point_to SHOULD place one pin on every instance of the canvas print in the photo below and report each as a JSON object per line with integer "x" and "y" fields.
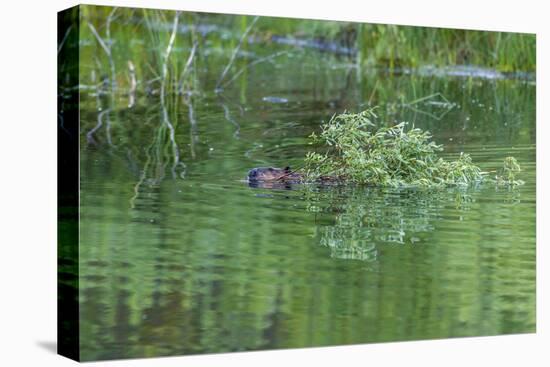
{"x": 237, "y": 183}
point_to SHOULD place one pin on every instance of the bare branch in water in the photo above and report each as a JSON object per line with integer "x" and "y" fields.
{"x": 102, "y": 43}
{"x": 152, "y": 70}
{"x": 235, "y": 51}
{"x": 142, "y": 177}
{"x": 108, "y": 131}
{"x": 155, "y": 79}
{"x": 193, "y": 126}
{"x": 231, "y": 120}
{"x": 90, "y": 134}
{"x": 263, "y": 59}
{"x": 107, "y": 48}
{"x": 62, "y": 123}
{"x": 64, "y": 39}
{"x": 166, "y": 120}
{"x": 172, "y": 136}
{"x": 187, "y": 65}
{"x": 167, "y": 55}
{"x": 108, "y": 23}
{"x": 133, "y": 85}
{"x": 446, "y": 104}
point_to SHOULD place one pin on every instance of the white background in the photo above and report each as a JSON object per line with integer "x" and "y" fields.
{"x": 28, "y": 182}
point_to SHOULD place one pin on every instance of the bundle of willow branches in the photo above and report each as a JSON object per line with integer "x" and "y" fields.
{"x": 391, "y": 156}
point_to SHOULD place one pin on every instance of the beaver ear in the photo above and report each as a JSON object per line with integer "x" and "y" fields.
{"x": 287, "y": 169}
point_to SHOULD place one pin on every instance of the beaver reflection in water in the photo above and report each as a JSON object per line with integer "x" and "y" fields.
{"x": 271, "y": 177}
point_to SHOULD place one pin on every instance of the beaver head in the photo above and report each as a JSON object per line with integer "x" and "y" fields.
{"x": 266, "y": 174}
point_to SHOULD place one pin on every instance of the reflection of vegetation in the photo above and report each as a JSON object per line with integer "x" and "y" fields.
{"x": 178, "y": 275}
{"x": 163, "y": 78}
{"x": 510, "y": 169}
{"x": 445, "y": 105}
{"x": 365, "y": 218}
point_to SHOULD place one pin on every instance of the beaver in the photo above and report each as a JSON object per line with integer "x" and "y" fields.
{"x": 272, "y": 177}
{"x": 273, "y": 174}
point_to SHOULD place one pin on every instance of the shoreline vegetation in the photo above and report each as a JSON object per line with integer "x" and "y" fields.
{"x": 128, "y": 64}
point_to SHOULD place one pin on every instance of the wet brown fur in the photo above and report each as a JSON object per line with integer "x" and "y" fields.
{"x": 272, "y": 177}
{"x": 273, "y": 174}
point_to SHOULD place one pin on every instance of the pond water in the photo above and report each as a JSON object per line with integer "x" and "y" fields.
{"x": 189, "y": 259}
